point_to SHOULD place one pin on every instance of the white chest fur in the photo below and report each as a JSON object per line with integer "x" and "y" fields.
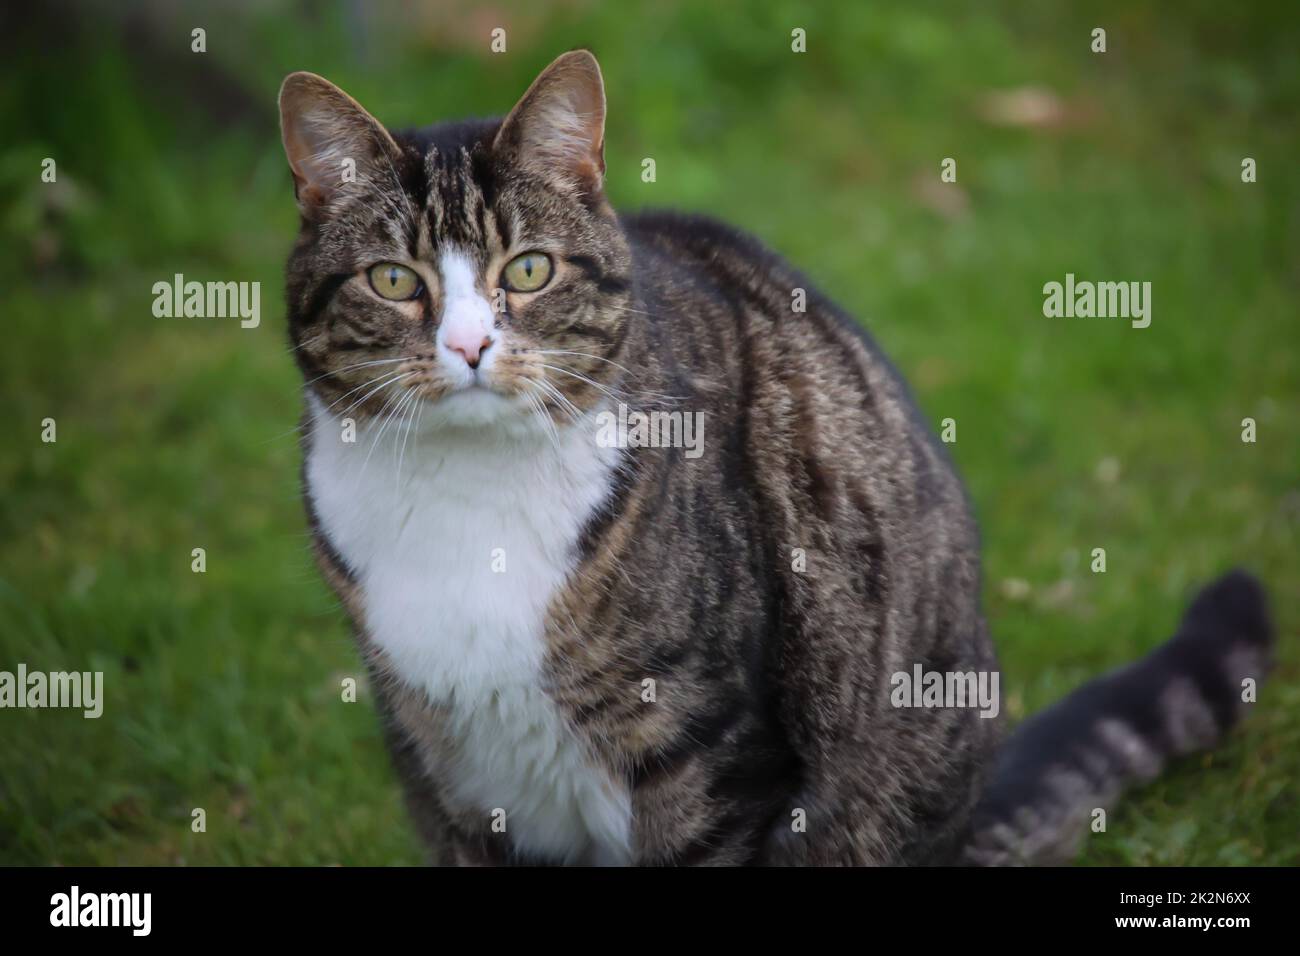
{"x": 457, "y": 558}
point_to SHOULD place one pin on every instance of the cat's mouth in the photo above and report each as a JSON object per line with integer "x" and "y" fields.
{"x": 480, "y": 398}
{"x": 478, "y": 385}
{"x": 477, "y": 405}
{"x": 433, "y": 385}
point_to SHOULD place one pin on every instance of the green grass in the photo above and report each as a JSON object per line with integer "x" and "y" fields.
{"x": 222, "y": 689}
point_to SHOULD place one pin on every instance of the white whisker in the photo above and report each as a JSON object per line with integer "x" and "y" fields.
{"x": 596, "y": 385}
{"x": 361, "y": 401}
{"x": 405, "y": 428}
{"x": 540, "y": 410}
{"x": 566, "y": 405}
{"x": 348, "y": 368}
{"x": 383, "y": 426}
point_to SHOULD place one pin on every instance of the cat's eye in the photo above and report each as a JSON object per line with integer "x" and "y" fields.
{"x": 527, "y": 273}
{"x": 395, "y": 282}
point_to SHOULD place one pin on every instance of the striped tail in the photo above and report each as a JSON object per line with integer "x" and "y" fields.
{"x": 1082, "y": 753}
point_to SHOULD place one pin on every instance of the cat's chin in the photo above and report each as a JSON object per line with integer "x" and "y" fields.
{"x": 481, "y": 409}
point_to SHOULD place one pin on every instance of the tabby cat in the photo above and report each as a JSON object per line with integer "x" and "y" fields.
{"x": 595, "y": 651}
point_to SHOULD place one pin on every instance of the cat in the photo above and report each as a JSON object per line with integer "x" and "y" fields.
{"x": 591, "y": 654}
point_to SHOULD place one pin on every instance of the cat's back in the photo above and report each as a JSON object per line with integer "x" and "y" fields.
{"x": 722, "y": 305}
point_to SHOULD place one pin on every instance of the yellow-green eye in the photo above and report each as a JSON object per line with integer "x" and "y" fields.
{"x": 527, "y": 273}
{"x": 394, "y": 282}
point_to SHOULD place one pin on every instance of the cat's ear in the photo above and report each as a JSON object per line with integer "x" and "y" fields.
{"x": 557, "y": 128}
{"x": 330, "y": 140}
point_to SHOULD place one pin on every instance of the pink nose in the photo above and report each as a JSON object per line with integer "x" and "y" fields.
{"x": 469, "y": 346}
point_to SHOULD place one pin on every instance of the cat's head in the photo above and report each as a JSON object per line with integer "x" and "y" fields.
{"x": 475, "y": 267}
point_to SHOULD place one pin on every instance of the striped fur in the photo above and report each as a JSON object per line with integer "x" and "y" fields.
{"x": 764, "y": 592}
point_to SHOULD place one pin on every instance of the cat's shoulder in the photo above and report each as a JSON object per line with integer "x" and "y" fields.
{"x": 696, "y": 251}
{"x": 693, "y": 234}
{"x": 718, "y": 253}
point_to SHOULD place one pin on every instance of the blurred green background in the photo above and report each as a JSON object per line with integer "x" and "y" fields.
{"x": 222, "y": 689}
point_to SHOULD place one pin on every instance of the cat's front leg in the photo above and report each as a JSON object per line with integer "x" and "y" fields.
{"x": 443, "y": 845}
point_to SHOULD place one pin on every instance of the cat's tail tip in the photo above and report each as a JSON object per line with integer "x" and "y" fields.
{"x": 1233, "y": 609}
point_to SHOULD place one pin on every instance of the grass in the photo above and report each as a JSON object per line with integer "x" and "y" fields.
{"x": 222, "y": 689}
